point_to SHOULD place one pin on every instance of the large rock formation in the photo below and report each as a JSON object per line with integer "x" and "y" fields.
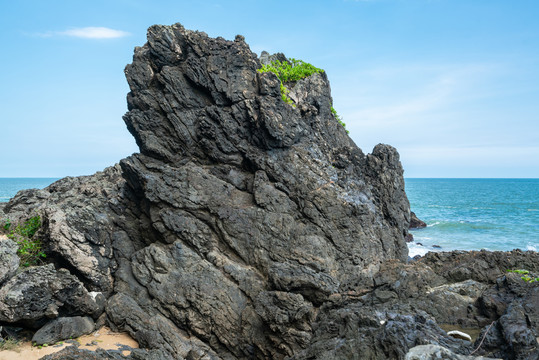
{"x": 245, "y": 227}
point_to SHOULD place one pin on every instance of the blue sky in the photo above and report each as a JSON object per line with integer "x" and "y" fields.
{"x": 452, "y": 84}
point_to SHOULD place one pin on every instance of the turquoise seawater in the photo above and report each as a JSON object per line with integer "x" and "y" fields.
{"x": 462, "y": 214}
{"x": 10, "y": 186}
{"x": 474, "y": 214}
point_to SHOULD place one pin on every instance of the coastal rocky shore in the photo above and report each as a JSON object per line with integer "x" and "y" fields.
{"x": 251, "y": 228}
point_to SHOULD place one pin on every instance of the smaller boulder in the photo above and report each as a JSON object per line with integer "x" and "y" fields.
{"x": 415, "y": 223}
{"x": 42, "y": 292}
{"x": 63, "y": 328}
{"x": 434, "y": 352}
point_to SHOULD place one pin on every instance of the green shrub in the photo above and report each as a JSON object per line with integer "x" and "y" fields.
{"x": 30, "y": 247}
{"x": 289, "y": 72}
{"x": 518, "y": 271}
{"x": 526, "y": 275}
{"x": 339, "y": 119}
{"x": 7, "y": 225}
{"x": 292, "y": 71}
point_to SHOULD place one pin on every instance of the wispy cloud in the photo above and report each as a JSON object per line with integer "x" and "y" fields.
{"x": 88, "y": 33}
{"x": 422, "y": 93}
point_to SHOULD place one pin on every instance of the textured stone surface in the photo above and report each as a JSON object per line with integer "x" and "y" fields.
{"x": 40, "y": 293}
{"x": 9, "y": 261}
{"x": 415, "y": 222}
{"x": 74, "y": 353}
{"x": 435, "y": 352}
{"x": 82, "y": 216}
{"x": 63, "y": 328}
{"x": 247, "y": 228}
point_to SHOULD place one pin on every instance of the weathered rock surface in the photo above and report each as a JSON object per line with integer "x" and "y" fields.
{"x": 435, "y": 352}
{"x": 63, "y": 328}
{"x": 248, "y": 228}
{"x": 9, "y": 261}
{"x": 39, "y": 293}
{"x": 82, "y": 217}
{"x": 74, "y": 353}
{"x": 415, "y": 222}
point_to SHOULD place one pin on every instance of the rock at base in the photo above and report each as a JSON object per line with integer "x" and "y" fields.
{"x": 432, "y": 352}
{"x": 62, "y": 329}
{"x": 74, "y": 353}
{"x": 415, "y": 222}
{"x": 42, "y": 292}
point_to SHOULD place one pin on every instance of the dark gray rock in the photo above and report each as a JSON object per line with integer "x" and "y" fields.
{"x": 483, "y": 266}
{"x": 152, "y": 330}
{"x": 9, "y": 260}
{"x": 74, "y": 353}
{"x": 63, "y": 328}
{"x": 41, "y": 292}
{"x": 415, "y": 222}
{"x": 249, "y": 228}
{"x": 356, "y": 331}
{"x": 513, "y": 331}
{"x": 81, "y": 219}
{"x": 435, "y": 352}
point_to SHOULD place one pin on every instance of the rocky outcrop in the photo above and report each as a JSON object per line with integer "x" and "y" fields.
{"x": 245, "y": 227}
{"x": 40, "y": 293}
{"x": 434, "y": 352}
{"x": 63, "y": 328}
{"x": 415, "y": 222}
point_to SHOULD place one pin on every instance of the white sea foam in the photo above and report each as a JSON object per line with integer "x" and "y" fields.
{"x": 414, "y": 249}
{"x": 434, "y": 223}
{"x": 531, "y": 247}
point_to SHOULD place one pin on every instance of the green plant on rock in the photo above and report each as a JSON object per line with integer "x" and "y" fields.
{"x": 518, "y": 271}
{"x": 7, "y": 225}
{"x": 292, "y": 71}
{"x": 339, "y": 119}
{"x": 30, "y": 247}
{"x": 526, "y": 275}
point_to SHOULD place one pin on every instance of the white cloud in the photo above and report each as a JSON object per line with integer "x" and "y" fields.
{"x": 416, "y": 93}
{"x": 89, "y": 33}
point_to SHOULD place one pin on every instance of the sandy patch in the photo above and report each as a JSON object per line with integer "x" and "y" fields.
{"x": 103, "y": 338}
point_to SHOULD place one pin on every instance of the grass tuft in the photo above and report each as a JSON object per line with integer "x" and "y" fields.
{"x": 30, "y": 247}
{"x": 292, "y": 71}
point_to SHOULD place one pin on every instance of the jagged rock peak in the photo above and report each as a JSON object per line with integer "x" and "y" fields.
{"x": 256, "y": 207}
{"x": 241, "y": 216}
{"x": 200, "y": 100}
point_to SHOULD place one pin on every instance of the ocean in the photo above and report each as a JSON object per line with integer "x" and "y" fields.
{"x": 461, "y": 214}
{"x": 474, "y": 214}
{"x": 10, "y": 186}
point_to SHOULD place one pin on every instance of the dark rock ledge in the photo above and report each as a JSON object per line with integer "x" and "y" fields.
{"x": 250, "y": 229}
{"x": 415, "y": 222}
